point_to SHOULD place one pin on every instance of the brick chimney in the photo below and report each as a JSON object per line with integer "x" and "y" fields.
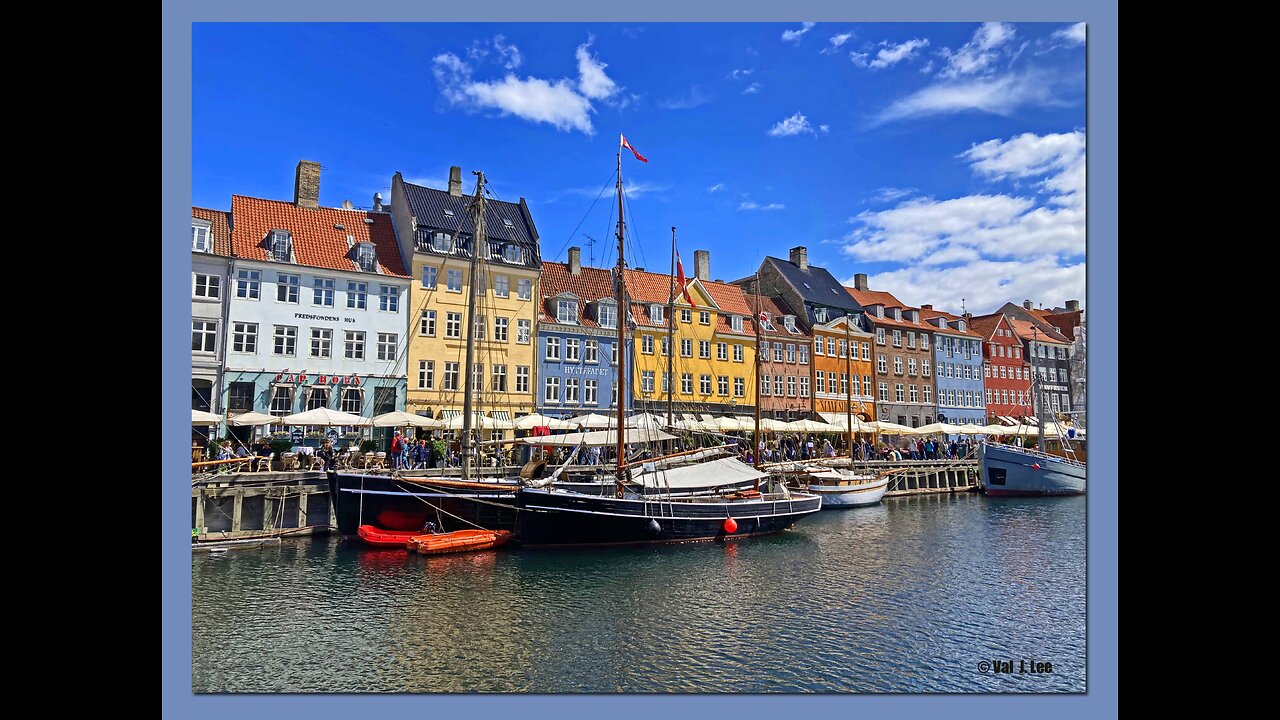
{"x": 306, "y": 185}
{"x": 1073, "y": 305}
{"x": 702, "y": 264}
{"x": 926, "y": 307}
{"x": 1027, "y": 304}
{"x": 800, "y": 257}
{"x": 575, "y": 261}
{"x": 860, "y": 282}
{"x": 377, "y": 202}
{"x": 455, "y": 181}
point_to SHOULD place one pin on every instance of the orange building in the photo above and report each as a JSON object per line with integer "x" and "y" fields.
{"x": 842, "y": 371}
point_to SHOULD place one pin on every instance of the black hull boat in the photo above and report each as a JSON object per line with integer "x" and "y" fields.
{"x": 408, "y": 503}
{"x": 556, "y": 518}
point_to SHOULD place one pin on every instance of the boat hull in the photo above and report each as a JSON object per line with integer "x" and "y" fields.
{"x": 409, "y": 503}
{"x": 379, "y": 537}
{"x": 1011, "y": 472}
{"x": 850, "y": 496}
{"x": 458, "y": 541}
{"x": 552, "y": 518}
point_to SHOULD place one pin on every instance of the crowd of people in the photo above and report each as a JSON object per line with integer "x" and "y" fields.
{"x": 797, "y": 447}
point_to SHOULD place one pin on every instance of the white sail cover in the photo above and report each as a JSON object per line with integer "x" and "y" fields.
{"x": 603, "y": 438}
{"x": 710, "y": 474}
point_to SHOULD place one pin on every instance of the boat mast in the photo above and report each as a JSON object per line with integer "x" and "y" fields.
{"x": 757, "y": 439}
{"x": 671, "y": 330}
{"x": 623, "y": 309}
{"x": 848, "y": 396}
{"x": 1038, "y": 389}
{"x": 468, "y": 443}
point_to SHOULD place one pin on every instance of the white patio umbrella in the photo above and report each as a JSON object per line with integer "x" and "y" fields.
{"x": 883, "y": 426}
{"x": 478, "y": 422}
{"x": 404, "y": 419}
{"x": 253, "y": 418}
{"x": 592, "y": 421}
{"x": 200, "y": 417}
{"x": 646, "y": 420}
{"x": 528, "y": 422}
{"x": 324, "y": 416}
{"x": 771, "y": 425}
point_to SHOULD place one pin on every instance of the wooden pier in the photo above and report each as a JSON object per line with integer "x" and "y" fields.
{"x": 246, "y": 506}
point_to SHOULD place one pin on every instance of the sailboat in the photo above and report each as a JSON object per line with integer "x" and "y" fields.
{"x": 554, "y": 517}
{"x": 1010, "y": 470}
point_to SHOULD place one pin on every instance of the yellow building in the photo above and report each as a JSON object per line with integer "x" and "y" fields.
{"x": 713, "y": 343}
{"x": 435, "y": 230}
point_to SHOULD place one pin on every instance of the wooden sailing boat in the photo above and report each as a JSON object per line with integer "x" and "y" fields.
{"x": 555, "y": 517}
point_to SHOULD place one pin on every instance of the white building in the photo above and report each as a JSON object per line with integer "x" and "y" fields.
{"x": 210, "y": 251}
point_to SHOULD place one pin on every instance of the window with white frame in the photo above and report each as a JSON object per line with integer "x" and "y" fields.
{"x": 704, "y": 317}
{"x": 844, "y": 348}
{"x": 590, "y": 392}
{"x": 866, "y": 385}
{"x": 804, "y": 386}
{"x": 522, "y": 378}
{"x": 844, "y": 384}
{"x": 426, "y": 374}
{"x": 739, "y": 387}
{"x": 285, "y": 340}
{"x": 866, "y": 351}
{"x": 524, "y": 288}
{"x": 686, "y": 315}
{"x": 665, "y": 346}
{"x": 287, "y": 288}
{"x": 477, "y": 377}
{"x": 817, "y": 346}
{"x": 686, "y": 383}
{"x": 791, "y": 386}
{"x": 646, "y": 381}
{"x": 353, "y": 345}
{"x": 322, "y": 292}
{"x": 882, "y": 364}
{"x": 206, "y": 286}
{"x": 988, "y": 396}
{"x": 791, "y": 352}
{"x": 911, "y": 366}
{"x": 820, "y": 383}
{"x": 244, "y": 337}
{"x": 899, "y": 392}
{"x": 646, "y": 344}
{"x": 722, "y": 385}
{"x": 201, "y": 239}
{"x": 884, "y": 392}
{"x": 737, "y": 353}
{"x": 552, "y": 348}
{"x": 453, "y": 280}
{"x": 986, "y": 370}
{"x": 282, "y": 400}
{"x": 704, "y": 384}
{"x": 928, "y": 393}
{"x": 607, "y": 315}
{"x": 321, "y": 342}
{"x": 722, "y": 351}
{"x": 735, "y": 322}
{"x": 482, "y": 283}
{"x": 441, "y": 241}
{"x": 777, "y": 385}
{"x": 686, "y": 347}
{"x": 765, "y": 387}
{"x": 429, "y": 273}
{"x": 500, "y": 329}
{"x": 478, "y": 327}
{"x": 571, "y": 349}
{"x": 248, "y": 284}
{"x": 613, "y": 354}
{"x": 897, "y": 364}
{"x": 366, "y": 257}
{"x": 571, "y": 390}
{"x": 357, "y": 295}
{"x": 820, "y": 314}
{"x": 914, "y": 394}
{"x": 897, "y": 338}
{"x": 777, "y": 352}
{"x": 387, "y": 343}
{"x": 453, "y": 325}
{"x": 831, "y": 347}
{"x": 804, "y": 354}
{"x": 591, "y": 351}
{"x": 499, "y": 379}
{"x": 666, "y": 381}
{"x": 450, "y": 376}
{"x": 427, "y": 324}
{"x": 911, "y": 339}
{"x": 879, "y": 336}
{"x": 924, "y": 368}
{"x": 551, "y": 390}
{"x": 567, "y": 311}
{"x": 501, "y": 286}
{"x": 655, "y": 313}
{"x": 389, "y": 298}
{"x": 704, "y": 349}
{"x": 924, "y": 341}
{"x": 523, "y": 331}
{"x": 204, "y": 336}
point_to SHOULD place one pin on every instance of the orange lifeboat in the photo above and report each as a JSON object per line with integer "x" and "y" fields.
{"x": 458, "y": 541}
{"x": 378, "y": 537}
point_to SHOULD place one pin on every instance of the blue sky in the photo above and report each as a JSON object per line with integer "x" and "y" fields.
{"x": 944, "y": 160}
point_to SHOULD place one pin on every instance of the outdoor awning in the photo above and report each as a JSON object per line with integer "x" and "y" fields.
{"x": 603, "y": 438}
{"x": 200, "y": 417}
{"x": 449, "y": 414}
{"x": 504, "y": 415}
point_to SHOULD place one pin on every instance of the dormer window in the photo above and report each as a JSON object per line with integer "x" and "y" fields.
{"x": 508, "y": 223}
{"x": 961, "y": 325}
{"x": 441, "y": 242}
{"x": 281, "y": 246}
{"x": 567, "y": 311}
{"x": 765, "y": 321}
{"x": 448, "y": 212}
{"x": 897, "y": 313}
{"x": 607, "y": 315}
{"x": 655, "y": 314}
{"x": 789, "y": 321}
{"x": 511, "y": 252}
{"x": 201, "y": 239}
{"x": 735, "y": 321}
{"x": 820, "y": 314}
{"x": 367, "y": 257}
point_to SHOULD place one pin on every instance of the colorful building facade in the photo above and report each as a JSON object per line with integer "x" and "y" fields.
{"x": 210, "y": 263}
{"x": 842, "y": 370}
{"x": 436, "y": 234}
{"x": 786, "y": 370}
{"x": 1006, "y": 374}
{"x": 903, "y": 356}
{"x": 957, "y": 369}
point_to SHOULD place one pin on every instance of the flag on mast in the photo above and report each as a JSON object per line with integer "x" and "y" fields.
{"x": 627, "y": 145}
{"x": 684, "y": 284}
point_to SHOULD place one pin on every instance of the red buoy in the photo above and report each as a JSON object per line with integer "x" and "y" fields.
{"x": 1036, "y": 466}
{"x": 730, "y": 525}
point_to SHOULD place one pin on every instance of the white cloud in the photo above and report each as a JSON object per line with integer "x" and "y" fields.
{"x": 824, "y": 128}
{"x": 592, "y": 81}
{"x": 716, "y": 188}
{"x": 739, "y": 74}
{"x": 564, "y": 103}
{"x": 793, "y": 35}
{"x": 633, "y": 189}
{"x": 795, "y": 125}
{"x": 751, "y": 89}
{"x": 749, "y": 205}
{"x": 889, "y": 194}
{"x": 997, "y": 95}
{"x": 980, "y": 53}
{"x": 987, "y": 247}
{"x": 691, "y": 99}
{"x": 890, "y": 54}
{"x": 1071, "y": 34}
{"x": 836, "y": 41}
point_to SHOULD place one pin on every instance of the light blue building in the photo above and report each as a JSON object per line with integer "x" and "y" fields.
{"x": 957, "y": 370}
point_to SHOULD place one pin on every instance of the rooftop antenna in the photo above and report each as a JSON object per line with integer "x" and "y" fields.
{"x": 962, "y": 309}
{"x": 591, "y": 256}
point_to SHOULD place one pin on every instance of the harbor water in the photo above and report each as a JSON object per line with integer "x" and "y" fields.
{"x": 919, "y": 594}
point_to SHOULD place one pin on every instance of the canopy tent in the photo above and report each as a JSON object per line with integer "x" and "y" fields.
{"x": 404, "y": 419}
{"x": 529, "y": 422}
{"x": 603, "y": 438}
{"x": 200, "y": 417}
{"x": 253, "y": 418}
{"x": 324, "y": 416}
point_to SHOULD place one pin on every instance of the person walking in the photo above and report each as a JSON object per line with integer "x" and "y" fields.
{"x": 327, "y": 456}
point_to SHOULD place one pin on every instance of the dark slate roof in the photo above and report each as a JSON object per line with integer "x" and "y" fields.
{"x": 823, "y": 289}
{"x": 428, "y": 206}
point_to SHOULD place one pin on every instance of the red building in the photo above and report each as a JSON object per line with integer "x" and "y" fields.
{"x": 1006, "y": 373}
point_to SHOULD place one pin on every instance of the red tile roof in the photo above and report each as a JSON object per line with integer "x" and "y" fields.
{"x": 986, "y": 325}
{"x": 316, "y": 242}
{"x": 927, "y": 314}
{"x": 1030, "y": 331}
{"x": 880, "y": 297}
{"x": 220, "y": 228}
{"x": 646, "y": 288}
{"x": 777, "y": 308}
{"x": 1065, "y": 322}
{"x": 591, "y": 284}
